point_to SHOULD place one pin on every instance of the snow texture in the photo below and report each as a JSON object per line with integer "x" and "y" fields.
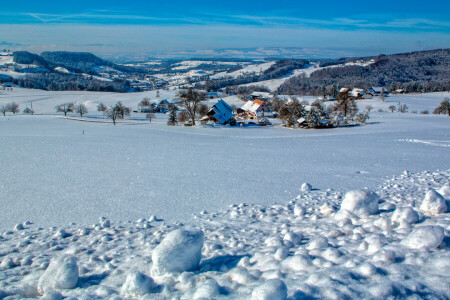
{"x": 396, "y": 253}
{"x": 179, "y": 251}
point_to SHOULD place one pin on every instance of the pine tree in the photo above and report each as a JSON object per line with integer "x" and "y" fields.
{"x": 172, "y": 116}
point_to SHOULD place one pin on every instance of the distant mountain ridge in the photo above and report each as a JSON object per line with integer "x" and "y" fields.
{"x": 77, "y": 62}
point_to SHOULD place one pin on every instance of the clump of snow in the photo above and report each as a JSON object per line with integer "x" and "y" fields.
{"x": 445, "y": 191}
{"x": 18, "y": 227}
{"x": 360, "y": 202}
{"x": 273, "y": 289}
{"x": 208, "y": 289}
{"x": 137, "y": 285}
{"x": 52, "y": 295}
{"x": 62, "y": 273}
{"x": 430, "y": 236}
{"x": 405, "y": 216}
{"x": 180, "y": 251}
{"x": 299, "y": 211}
{"x": 433, "y": 203}
{"x": 306, "y": 187}
{"x": 7, "y": 263}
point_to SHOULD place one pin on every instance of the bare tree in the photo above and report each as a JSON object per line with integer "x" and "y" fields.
{"x": 145, "y": 102}
{"x": 183, "y": 116}
{"x": 150, "y": 116}
{"x": 122, "y": 110}
{"x": 102, "y": 107}
{"x": 191, "y": 101}
{"x": 112, "y": 113}
{"x": 13, "y": 107}
{"x": 392, "y": 108}
{"x": 203, "y": 109}
{"x": 4, "y": 109}
{"x": 81, "y": 109}
{"x": 65, "y": 107}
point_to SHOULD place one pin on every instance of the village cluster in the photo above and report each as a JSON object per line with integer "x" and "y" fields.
{"x": 262, "y": 108}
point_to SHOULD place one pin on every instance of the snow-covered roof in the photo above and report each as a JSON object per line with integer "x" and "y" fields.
{"x": 222, "y": 111}
{"x": 252, "y": 106}
{"x": 260, "y": 94}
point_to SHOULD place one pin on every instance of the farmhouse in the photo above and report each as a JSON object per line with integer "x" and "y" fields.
{"x": 260, "y": 95}
{"x": 251, "y": 109}
{"x": 378, "y": 91}
{"x": 221, "y": 113}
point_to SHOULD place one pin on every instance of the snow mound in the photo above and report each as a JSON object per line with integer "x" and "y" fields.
{"x": 430, "y": 237}
{"x": 62, "y": 273}
{"x": 273, "y": 289}
{"x": 433, "y": 203}
{"x": 180, "y": 251}
{"x": 137, "y": 285}
{"x": 360, "y": 202}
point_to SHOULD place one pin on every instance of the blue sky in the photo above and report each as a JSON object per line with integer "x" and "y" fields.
{"x": 353, "y": 27}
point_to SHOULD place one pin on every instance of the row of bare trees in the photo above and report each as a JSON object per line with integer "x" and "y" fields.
{"x": 9, "y": 107}
{"x": 67, "y": 107}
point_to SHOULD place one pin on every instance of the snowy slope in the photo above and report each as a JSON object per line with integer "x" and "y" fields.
{"x": 253, "y": 68}
{"x": 51, "y": 163}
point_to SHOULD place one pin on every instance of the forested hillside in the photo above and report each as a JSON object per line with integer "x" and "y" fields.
{"x": 426, "y": 71}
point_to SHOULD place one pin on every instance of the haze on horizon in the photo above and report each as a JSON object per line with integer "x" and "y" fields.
{"x": 198, "y": 28}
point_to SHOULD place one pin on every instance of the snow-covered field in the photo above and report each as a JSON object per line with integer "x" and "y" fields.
{"x": 56, "y": 171}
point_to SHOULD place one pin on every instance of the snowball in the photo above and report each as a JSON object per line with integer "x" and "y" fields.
{"x": 430, "y": 236}
{"x": 273, "y": 289}
{"x": 361, "y": 203}
{"x": 292, "y": 237}
{"x": 299, "y": 211}
{"x": 433, "y": 203}
{"x": 241, "y": 275}
{"x": 7, "y": 263}
{"x": 297, "y": 263}
{"x": 326, "y": 210}
{"x": 136, "y": 285}
{"x": 281, "y": 253}
{"x": 179, "y": 251}
{"x": 52, "y": 295}
{"x": 62, "y": 273}
{"x": 405, "y": 215}
{"x": 306, "y": 187}
{"x": 445, "y": 191}
{"x": 207, "y": 290}
{"x": 273, "y": 241}
{"x": 318, "y": 243}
